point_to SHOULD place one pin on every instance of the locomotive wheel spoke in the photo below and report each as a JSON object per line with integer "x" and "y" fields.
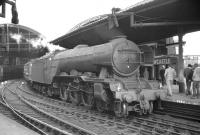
{"x": 49, "y": 92}
{"x": 150, "y": 107}
{"x": 63, "y": 93}
{"x": 74, "y": 97}
{"x": 87, "y": 96}
{"x": 99, "y": 106}
{"x": 74, "y": 93}
{"x": 125, "y": 109}
{"x": 122, "y": 110}
{"x": 87, "y": 100}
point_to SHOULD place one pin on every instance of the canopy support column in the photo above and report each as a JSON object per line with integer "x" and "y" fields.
{"x": 180, "y": 63}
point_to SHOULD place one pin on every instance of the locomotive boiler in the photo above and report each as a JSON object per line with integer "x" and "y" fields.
{"x": 103, "y": 76}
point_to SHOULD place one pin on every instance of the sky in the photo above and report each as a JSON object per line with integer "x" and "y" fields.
{"x": 54, "y": 19}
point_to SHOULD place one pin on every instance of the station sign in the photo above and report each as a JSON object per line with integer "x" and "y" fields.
{"x": 162, "y": 61}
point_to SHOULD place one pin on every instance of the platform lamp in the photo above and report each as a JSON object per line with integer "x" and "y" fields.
{"x": 2, "y": 8}
{"x": 3, "y": 3}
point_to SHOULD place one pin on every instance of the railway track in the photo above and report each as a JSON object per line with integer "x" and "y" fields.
{"x": 13, "y": 114}
{"x": 95, "y": 120}
{"x": 186, "y": 111}
{"x": 44, "y": 122}
{"x": 80, "y": 116}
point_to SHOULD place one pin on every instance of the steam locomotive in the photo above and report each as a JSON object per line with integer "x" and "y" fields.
{"x": 103, "y": 76}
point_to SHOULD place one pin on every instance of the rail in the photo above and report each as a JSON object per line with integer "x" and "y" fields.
{"x": 42, "y": 126}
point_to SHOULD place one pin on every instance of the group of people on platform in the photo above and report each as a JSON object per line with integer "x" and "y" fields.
{"x": 191, "y": 79}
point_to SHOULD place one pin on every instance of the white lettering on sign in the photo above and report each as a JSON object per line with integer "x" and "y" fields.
{"x": 161, "y": 61}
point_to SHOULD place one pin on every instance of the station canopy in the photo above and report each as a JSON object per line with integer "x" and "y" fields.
{"x": 147, "y": 21}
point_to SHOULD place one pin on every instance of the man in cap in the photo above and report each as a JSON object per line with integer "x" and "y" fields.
{"x": 188, "y": 72}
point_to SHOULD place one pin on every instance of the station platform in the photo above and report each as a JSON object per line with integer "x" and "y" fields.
{"x": 151, "y": 94}
{"x": 180, "y": 97}
{"x": 11, "y": 127}
{"x": 176, "y": 96}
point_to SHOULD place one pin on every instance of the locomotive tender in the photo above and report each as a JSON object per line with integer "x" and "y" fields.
{"x": 103, "y": 76}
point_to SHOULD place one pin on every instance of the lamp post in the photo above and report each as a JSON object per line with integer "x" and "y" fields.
{"x": 3, "y": 3}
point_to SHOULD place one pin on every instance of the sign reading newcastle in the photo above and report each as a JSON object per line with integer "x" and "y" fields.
{"x": 162, "y": 61}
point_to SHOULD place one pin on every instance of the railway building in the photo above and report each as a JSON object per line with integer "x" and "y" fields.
{"x": 18, "y": 44}
{"x": 157, "y": 54}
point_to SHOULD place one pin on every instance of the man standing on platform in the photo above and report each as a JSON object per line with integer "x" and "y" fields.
{"x": 196, "y": 81}
{"x": 170, "y": 74}
{"x": 162, "y": 76}
{"x": 188, "y": 76}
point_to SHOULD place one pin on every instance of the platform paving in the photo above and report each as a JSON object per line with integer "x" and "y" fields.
{"x": 179, "y": 97}
{"x": 11, "y": 127}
